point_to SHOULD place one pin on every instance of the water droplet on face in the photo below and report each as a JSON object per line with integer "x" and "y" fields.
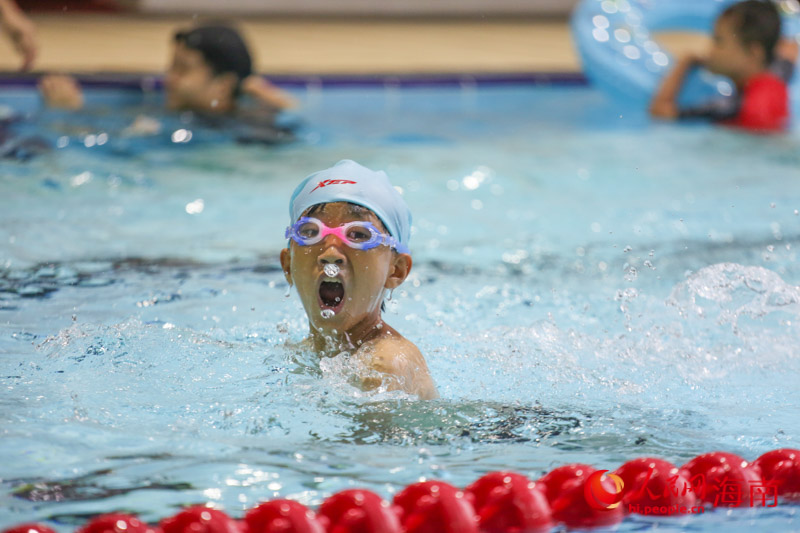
{"x": 378, "y": 325}
{"x": 327, "y": 313}
{"x": 331, "y": 270}
{"x": 337, "y": 299}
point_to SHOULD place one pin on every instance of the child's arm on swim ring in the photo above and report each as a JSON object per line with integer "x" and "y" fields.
{"x": 665, "y": 103}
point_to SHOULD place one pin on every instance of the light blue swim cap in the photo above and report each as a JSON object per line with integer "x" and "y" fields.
{"x": 347, "y": 181}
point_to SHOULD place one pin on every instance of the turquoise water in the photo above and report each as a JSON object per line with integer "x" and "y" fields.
{"x": 587, "y": 287}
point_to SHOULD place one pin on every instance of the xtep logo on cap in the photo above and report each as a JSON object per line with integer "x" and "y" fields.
{"x": 597, "y": 496}
{"x": 325, "y": 183}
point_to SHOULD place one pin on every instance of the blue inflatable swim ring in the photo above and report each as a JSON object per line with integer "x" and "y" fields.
{"x": 619, "y": 55}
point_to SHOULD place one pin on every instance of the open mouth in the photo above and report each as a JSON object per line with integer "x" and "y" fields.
{"x": 331, "y": 295}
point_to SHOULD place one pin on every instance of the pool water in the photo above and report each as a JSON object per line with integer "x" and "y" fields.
{"x": 587, "y": 287}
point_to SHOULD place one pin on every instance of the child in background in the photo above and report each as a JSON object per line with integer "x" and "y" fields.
{"x": 348, "y": 246}
{"x": 211, "y": 67}
{"x": 746, "y": 48}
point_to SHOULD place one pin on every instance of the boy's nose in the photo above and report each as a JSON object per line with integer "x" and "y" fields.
{"x": 331, "y": 254}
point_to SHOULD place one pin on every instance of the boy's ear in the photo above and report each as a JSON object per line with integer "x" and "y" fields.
{"x": 758, "y": 53}
{"x": 399, "y": 270}
{"x": 286, "y": 264}
{"x": 226, "y": 83}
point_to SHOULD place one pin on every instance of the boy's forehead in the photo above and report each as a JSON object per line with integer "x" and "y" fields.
{"x": 344, "y": 210}
{"x": 187, "y": 55}
{"x": 724, "y": 29}
{"x": 339, "y": 208}
{"x": 724, "y": 22}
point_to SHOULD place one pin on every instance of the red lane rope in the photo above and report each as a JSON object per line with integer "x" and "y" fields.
{"x": 573, "y": 495}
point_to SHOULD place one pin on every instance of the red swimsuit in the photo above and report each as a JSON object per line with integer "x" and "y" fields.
{"x": 764, "y": 105}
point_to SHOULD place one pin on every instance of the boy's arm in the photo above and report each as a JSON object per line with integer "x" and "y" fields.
{"x": 665, "y": 103}
{"x": 404, "y": 362}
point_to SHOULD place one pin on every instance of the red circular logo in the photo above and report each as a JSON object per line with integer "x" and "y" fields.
{"x": 598, "y": 496}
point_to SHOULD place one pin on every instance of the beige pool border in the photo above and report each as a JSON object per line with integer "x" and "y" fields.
{"x": 132, "y": 44}
{"x": 117, "y": 43}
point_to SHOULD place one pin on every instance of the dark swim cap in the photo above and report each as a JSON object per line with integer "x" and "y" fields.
{"x": 222, "y": 48}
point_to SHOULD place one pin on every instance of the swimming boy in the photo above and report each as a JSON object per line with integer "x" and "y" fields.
{"x": 211, "y": 66}
{"x": 348, "y": 245}
{"x": 747, "y": 49}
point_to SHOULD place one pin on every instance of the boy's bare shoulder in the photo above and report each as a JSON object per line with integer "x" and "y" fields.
{"x": 394, "y": 354}
{"x": 391, "y": 353}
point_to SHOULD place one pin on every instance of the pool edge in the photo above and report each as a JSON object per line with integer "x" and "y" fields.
{"x": 142, "y": 81}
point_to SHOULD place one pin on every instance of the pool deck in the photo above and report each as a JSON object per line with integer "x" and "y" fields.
{"x": 125, "y": 43}
{"x": 129, "y": 44}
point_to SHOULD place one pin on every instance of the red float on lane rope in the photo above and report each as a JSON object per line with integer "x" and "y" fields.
{"x": 282, "y": 516}
{"x": 653, "y": 485}
{"x": 435, "y": 507}
{"x": 116, "y": 523}
{"x": 569, "y": 489}
{"x": 722, "y": 479}
{"x": 508, "y": 502}
{"x": 201, "y": 519}
{"x": 358, "y": 511}
{"x": 782, "y": 469}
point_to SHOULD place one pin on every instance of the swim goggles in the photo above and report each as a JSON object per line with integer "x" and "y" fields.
{"x": 359, "y": 234}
